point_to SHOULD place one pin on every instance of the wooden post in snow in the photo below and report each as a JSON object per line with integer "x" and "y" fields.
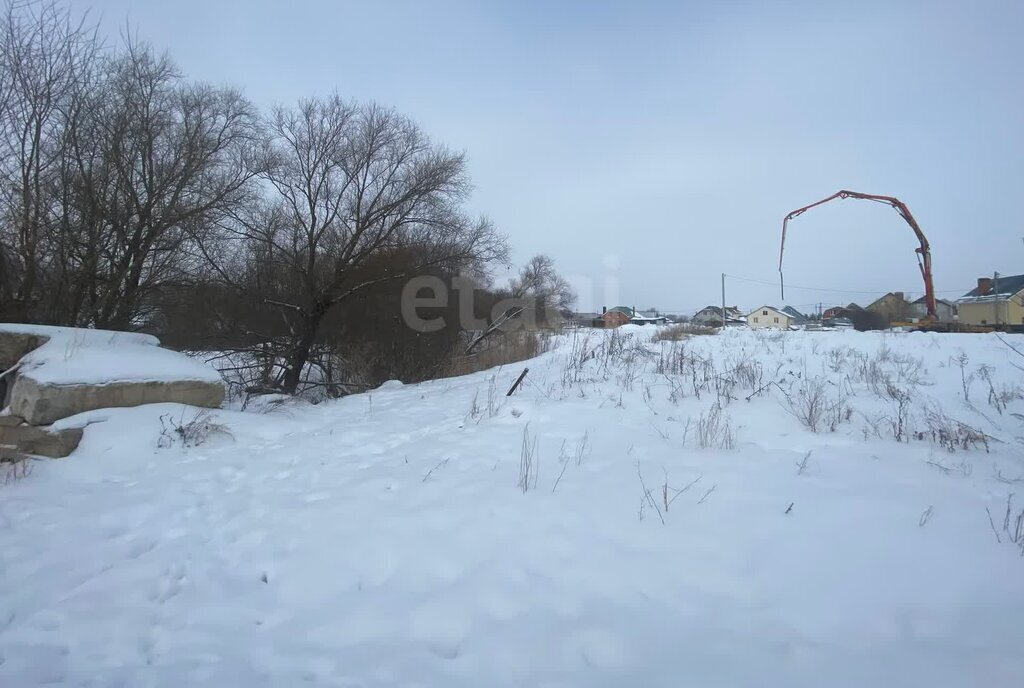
{"x": 515, "y": 385}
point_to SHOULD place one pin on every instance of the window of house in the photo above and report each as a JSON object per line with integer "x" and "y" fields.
{"x": 764, "y": 312}
{"x": 984, "y": 322}
{"x": 755, "y": 318}
{"x": 776, "y": 320}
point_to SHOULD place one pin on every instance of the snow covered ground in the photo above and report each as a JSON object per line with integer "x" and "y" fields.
{"x": 386, "y": 539}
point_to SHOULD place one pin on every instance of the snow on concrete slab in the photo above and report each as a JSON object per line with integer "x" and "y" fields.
{"x": 384, "y": 539}
{"x": 73, "y": 356}
{"x": 82, "y": 335}
{"x": 67, "y": 363}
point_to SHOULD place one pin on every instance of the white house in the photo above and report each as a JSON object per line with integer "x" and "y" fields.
{"x": 945, "y": 310}
{"x": 769, "y": 316}
{"x": 712, "y": 316}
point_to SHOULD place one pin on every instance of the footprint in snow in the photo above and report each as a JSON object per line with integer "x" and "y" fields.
{"x": 139, "y": 547}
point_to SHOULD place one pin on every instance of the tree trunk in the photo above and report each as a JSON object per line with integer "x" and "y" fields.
{"x": 309, "y": 326}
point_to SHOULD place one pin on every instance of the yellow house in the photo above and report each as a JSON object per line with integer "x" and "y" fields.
{"x": 995, "y": 301}
{"x": 768, "y": 316}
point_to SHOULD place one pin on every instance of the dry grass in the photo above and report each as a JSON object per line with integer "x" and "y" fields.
{"x": 714, "y": 430}
{"x": 1013, "y": 525}
{"x": 529, "y": 462}
{"x": 500, "y": 350}
{"x": 13, "y": 471}
{"x": 952, "y": 434}
{"x": 675, "y": 333}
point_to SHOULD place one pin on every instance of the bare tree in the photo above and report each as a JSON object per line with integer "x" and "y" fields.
{"x": 351, "y": 182}
{"x": 43, "y": 53}
{"x": 155, "y": 162}
{"x": 538, "y": 280}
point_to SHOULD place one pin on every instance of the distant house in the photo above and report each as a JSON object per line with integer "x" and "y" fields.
{"x": 617, "y": 316}
{"x": 846, "y": 311}
{"x": 769, "y": 316}
{"x": 712, "y": 316}
{"x": 995, "y": 301}
{"x": 585, "y": 320}
{"x": 944, "y": 310}
{"x": 622, "y": 315}
{"x": 648, "y": 317}
{"x": 892, "y": 306}
{"x": 798, "y": 317}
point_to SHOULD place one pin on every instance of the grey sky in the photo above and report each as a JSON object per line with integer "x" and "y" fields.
{"x": 674, "y": 136}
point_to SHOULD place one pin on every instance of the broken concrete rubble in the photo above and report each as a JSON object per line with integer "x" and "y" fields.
{"x": 41, "y": 403}
{"x": 52, "y": 373}
{"x": 42, "y": 441}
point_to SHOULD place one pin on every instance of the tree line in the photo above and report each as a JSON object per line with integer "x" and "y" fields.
{"x": 135, "y": 198}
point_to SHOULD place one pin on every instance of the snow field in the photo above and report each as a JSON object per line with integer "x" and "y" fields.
{"x": 386, "y": 539}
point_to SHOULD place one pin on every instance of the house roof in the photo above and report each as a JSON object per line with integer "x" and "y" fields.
{"x": 1008, "y": 286}
{"x": 794, "y": 313}
{"x": 943, "y": 301}
{"x": 881, "y": 299}
{"x": 628, "y": 310}
{"x": 777, "y": 310}
{"x": 718, "y": 309}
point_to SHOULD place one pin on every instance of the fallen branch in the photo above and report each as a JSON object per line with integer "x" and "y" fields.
{"x": 282, "y": 304}
{"x": 493, "y": 327}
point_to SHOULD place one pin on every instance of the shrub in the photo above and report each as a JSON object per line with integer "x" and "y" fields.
{"x": 811, "y": 403}
{"x": 192, "y": 433}
{"x": 951, "y": 434}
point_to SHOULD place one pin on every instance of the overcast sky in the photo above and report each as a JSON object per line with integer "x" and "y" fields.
{"x": 650, "y": 146}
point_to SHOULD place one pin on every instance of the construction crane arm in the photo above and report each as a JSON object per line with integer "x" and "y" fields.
{"x": 924, "y": 258}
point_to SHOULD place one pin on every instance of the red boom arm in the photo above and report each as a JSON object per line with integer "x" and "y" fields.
{"x": 924, "y": 257}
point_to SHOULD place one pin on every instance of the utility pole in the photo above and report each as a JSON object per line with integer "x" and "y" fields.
{"x": 995, "y": 295}
{"x": 723, "y": 300}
